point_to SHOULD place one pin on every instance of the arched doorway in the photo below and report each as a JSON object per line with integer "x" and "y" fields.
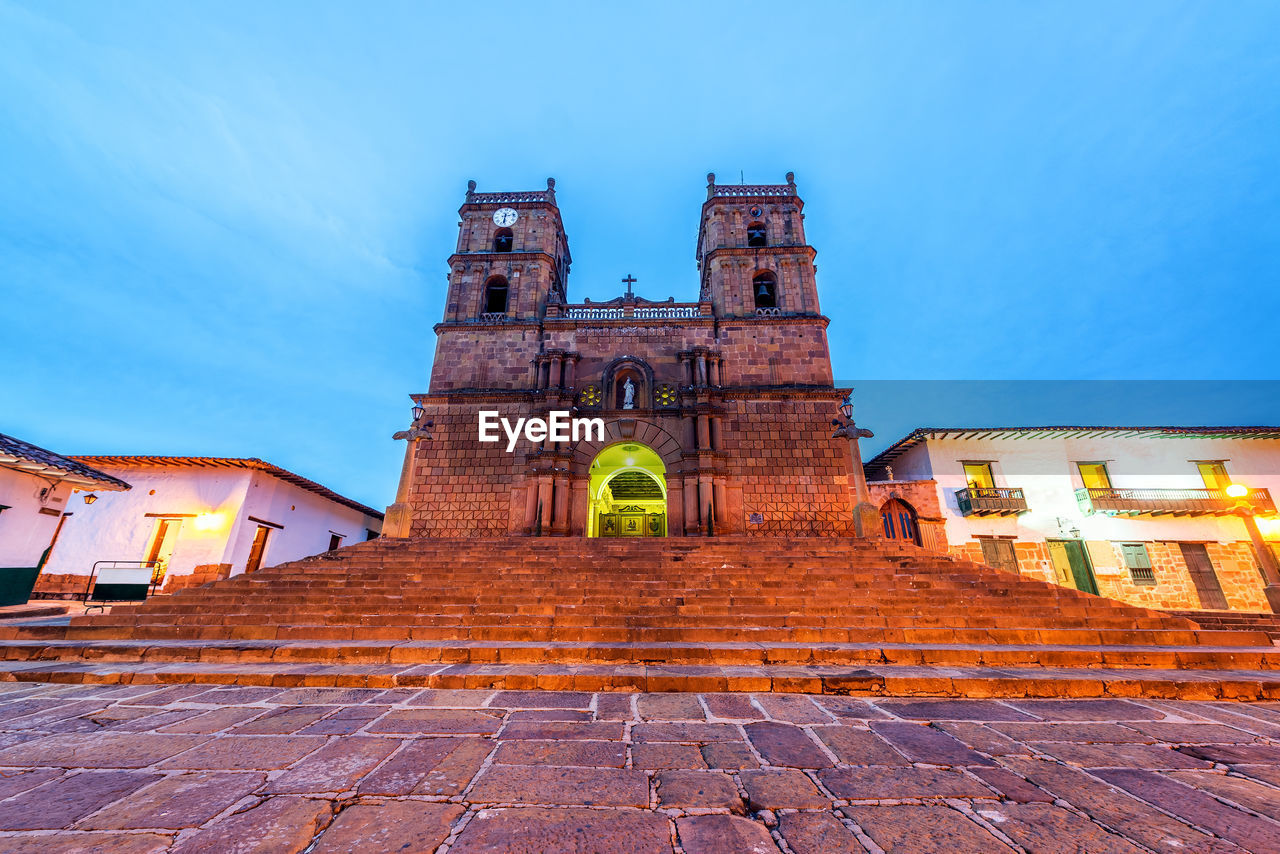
{"x": 899, "y": 521}
{"x": 628, "y": 492}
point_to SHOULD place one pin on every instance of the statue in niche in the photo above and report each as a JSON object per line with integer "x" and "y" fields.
{"x": 628, "y": 394}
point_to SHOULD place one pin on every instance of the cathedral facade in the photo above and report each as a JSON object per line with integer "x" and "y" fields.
{"x": 717, "y": 412}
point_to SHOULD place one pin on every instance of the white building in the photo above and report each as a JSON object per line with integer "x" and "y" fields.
{"x": 201, "y": 518}
{"x": 34, "y": 487}
{"x": 1140, "y": 514}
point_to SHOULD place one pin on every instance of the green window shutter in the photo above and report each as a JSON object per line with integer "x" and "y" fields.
{"x": 1139, "y": 563}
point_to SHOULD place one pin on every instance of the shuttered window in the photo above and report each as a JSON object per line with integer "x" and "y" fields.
{"x": 1139, "y": 564}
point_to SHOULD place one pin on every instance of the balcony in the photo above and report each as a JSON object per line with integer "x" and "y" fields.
{"x": 1171, "y": 502}
{"x": 991, "y": 501}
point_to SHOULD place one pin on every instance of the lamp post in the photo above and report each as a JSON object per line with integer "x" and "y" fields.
{"x": 866, "y": 519}
{"x": 397, "y": 521}
{"x": 1266, "y": 560}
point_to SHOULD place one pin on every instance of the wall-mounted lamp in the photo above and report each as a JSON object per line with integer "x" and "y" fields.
{"x": 90, "y": 498}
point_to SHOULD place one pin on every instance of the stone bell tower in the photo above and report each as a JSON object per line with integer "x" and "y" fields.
{"x": 512, "y": 256}
{"x": 752, "y": 253}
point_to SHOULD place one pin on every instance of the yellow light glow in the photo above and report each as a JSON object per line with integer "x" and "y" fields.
{"x": 630, "y": 461}
{"x": 1236, "y": 490}
{"x": 208, "y": 521}
{"x": 1269, "y": 527}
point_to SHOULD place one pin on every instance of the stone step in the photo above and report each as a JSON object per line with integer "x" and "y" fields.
{"x": 874, "y": 681}
{"x": 725, "y": 653}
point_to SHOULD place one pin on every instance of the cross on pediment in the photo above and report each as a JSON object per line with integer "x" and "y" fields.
{"x": 629, "y": 281}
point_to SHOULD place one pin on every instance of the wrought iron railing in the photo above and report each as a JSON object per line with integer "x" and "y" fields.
{"x": 1176, "y": 502}
{"x": 492, "y": 316}
{"x": 768, "y": 312}
{"x": 991, "y": 501}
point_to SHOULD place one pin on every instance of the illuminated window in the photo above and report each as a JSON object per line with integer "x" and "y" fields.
{"x": 1214, "y": 474}
{"x": 978, "y": 476}
{"x": 1094, "y": 475}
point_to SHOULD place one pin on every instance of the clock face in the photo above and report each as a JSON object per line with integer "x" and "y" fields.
{"x": 505, "y": 217}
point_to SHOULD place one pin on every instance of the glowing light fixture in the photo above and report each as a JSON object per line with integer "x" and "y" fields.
{"x": 846, "y": 408}
{"x": 208, "y": 521}
{"x": 630, "y": 461}
{"x": 417, "y": 412}
{"x": 1236, "y": 490}
{"x": 90, "y": 498}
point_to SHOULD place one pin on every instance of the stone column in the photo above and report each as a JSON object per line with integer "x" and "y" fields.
{"x": 701, "y": 370}
{"x": 675, "y": 507}
{"x": 544, "y": 497}
{"x": 557, "y": 364}
{"x": 715, "y": 371}
{"x": 533, "y": 373}
{"x": 721, "y": 505}
{"x": 397, "y": 522}
{"x": 704, "y": 433}
{"x": 704, "y": 499}
{"x": 560, "y": 500}
{"x": 717, "y": 440}
{"x": 530, "y": 502}
{"x": 571, "y": 371}
{"x": 691, "y": 512}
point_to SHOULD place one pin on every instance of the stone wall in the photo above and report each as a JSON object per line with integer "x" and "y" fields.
{"x": 1233, "y": 564}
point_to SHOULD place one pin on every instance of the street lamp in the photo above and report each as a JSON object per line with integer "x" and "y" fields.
{"x": 866, "y": 519}
{"x": 1266, "y": 560}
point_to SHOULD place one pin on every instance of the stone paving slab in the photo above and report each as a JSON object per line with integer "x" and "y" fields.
{"x": 210, "y": 767}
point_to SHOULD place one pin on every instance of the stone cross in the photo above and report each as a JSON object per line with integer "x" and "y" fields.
{"x": 629, "y": 281}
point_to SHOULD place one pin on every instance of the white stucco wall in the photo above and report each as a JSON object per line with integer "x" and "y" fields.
{"x": 117, "y": 527}
{"x": 25, "y": 531}
{"x": 1045, "y": 469}
{"x": 308, "y": 521}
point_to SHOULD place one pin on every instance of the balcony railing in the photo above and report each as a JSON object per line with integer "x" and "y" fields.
{"x": 1172, "y": 502}
{"x": 632, "y": 312}
{"x": 991, "y": 501}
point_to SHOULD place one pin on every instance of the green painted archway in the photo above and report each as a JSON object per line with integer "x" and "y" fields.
{"x": 628, "y": 491}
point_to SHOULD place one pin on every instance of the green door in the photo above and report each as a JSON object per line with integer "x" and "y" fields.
{"x": 1081, "y": 572}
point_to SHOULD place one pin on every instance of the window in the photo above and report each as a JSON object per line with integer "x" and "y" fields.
{"x": 757, "y": 235}
{"x": 495, "y": 296}
{"x": 978, "y": 476}
{"x": 1094, "y": 475}
{"x": 1214, "y": 474}
{"x": 1139, "y": 564}
{"x": 502, "y": 240}
{"x": 370, "y": 534}
{"x": 765, "y": 288}
{"x": 258, "y": 548}
{"x": 335, "y": 540}
{"x": 998, "y": 552}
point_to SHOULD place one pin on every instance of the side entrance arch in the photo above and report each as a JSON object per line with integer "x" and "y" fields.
{"x": 628, "y": 492}
{"x": 899, "y": 521}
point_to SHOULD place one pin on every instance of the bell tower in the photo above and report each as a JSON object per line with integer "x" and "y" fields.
{"x": 752, "y": 254}
{"x": 512, "y": 257}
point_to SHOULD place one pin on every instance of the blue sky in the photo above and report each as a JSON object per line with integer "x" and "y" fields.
{"x": 223, "y": 226}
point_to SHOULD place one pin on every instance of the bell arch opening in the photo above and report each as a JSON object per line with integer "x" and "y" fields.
{"x": 628, "y": 492}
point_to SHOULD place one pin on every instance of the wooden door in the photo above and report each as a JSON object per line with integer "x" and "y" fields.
{"x": 1203, "y": 576}
{"x": 256, "y": 550}
{"x": 1061, "y": 563}
{"x": 899, "y": 522}
{"x": 1081, "y": 572}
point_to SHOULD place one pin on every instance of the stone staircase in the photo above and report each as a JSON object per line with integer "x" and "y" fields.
{"x": 1235, "y": 621}
{"x": 727, "y": 614}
